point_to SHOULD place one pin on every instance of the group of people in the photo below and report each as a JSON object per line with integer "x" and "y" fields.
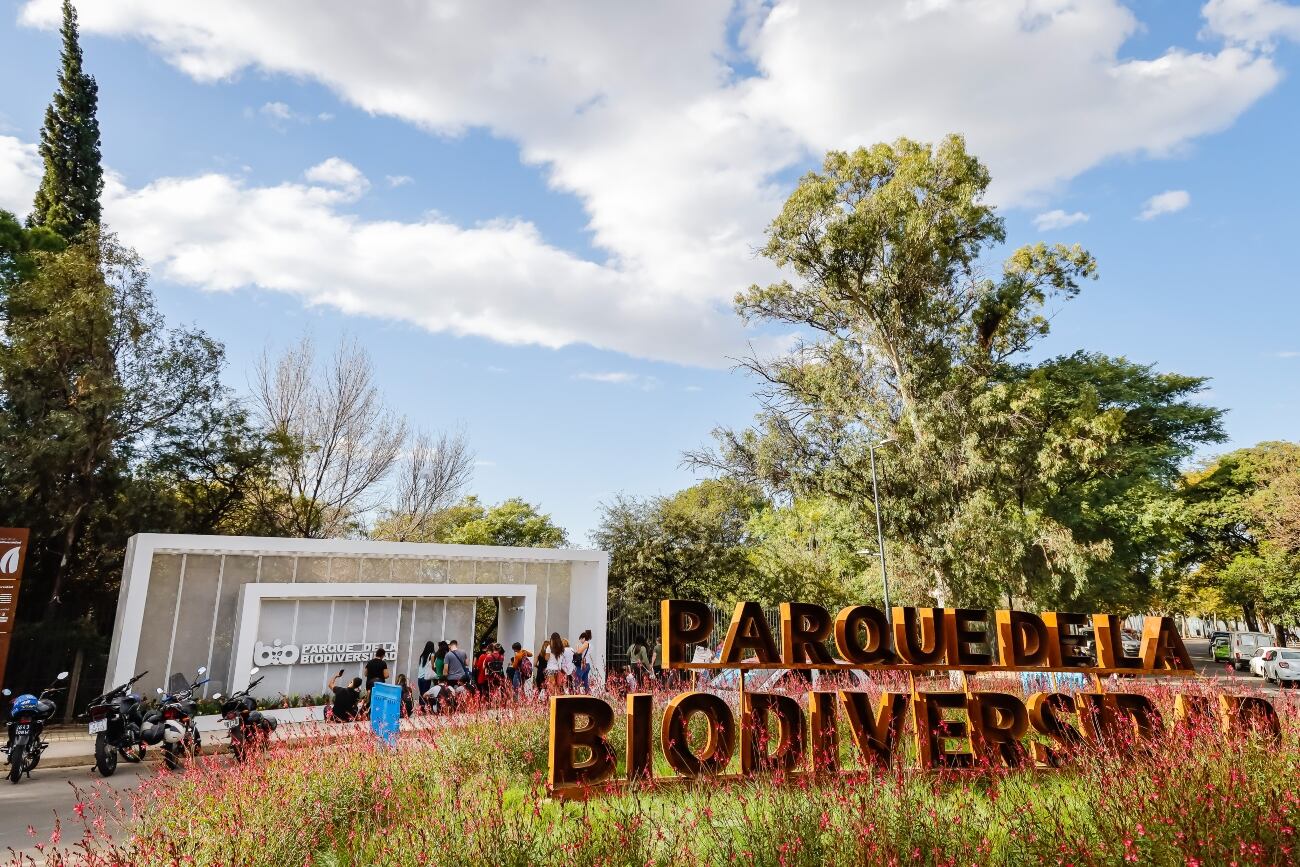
{"x": 447, "y": 676}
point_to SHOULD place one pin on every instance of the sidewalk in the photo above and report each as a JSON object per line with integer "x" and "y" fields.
{"x": 69, "y": 748}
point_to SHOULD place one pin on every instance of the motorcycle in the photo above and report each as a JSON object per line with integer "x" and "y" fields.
{"x": 176, "y": 728}
{"x": 117, "y": 720}
{"x": 27, "y": 717}
{"x": 249, "y": 727}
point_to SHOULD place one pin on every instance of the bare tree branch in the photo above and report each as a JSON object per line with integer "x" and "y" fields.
{"x": 338, "y": 439}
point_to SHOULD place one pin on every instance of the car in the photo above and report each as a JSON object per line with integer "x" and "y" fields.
{"x": 1284, "y": 668}
{"x": 1130, "y": 640}
{"x": 1240, "y": 647}
{"x": 1217, "y": 640}
{"x": 1259, "y": 662}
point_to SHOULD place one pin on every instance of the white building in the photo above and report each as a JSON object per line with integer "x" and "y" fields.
{"x": 301, "y": 609}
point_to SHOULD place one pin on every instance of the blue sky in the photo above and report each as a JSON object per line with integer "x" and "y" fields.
{"x": 533, "y": 216}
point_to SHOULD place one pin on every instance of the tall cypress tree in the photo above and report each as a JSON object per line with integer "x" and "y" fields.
{"x": 68, "y": 198}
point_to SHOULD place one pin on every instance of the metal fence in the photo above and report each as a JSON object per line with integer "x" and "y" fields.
{"x": 619, "y": 634}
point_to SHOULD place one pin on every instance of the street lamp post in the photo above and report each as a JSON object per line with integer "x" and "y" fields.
{"x": 880, "y": 527}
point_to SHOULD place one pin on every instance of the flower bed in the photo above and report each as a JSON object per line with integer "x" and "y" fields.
{"x": 470, "y": 791}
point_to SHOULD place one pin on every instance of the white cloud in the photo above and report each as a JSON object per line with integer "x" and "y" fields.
{"x": 497, "y": 280}
{"x": 398, "y": 180}
{"x": 20, "y": 174}
{"x": 1168, "y": 202}
{"x": 1058, "y": 219}
{"x": 1287, "y": 353}
{"x": 621, "y": 377}
{"x": 340, "y": 173}
{"x": 674, "y": 161}
{"x": 276, "y": 111}
{"x": 1253, "y": 23}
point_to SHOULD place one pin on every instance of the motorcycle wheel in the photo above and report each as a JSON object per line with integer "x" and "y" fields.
{"x": 238, "y": 748}
{"x": 134, "y": 753}
{"x": 17, "y": 760}
{"x": 105, "y": 755}
{"x": 171, "y": 756}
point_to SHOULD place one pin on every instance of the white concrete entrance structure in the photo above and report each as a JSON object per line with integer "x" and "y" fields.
{"x": 301, "y": 609}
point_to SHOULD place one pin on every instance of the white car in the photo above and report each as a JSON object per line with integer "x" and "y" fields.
{"x": 1284, "y": 667}
{"x": 1259, "y": 662}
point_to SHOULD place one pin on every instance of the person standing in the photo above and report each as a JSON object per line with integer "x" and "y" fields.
{"x": 581, "y": 660}
{"x": 539, "y": 668}
{"x": 559, "y": 665}
{"x": 639, "y": 656}
{"x": 518, "y": 677}
{"x": 424, "y": 676}
{"x": 440, "y": 662}
{"x": 495, "y": 668}
{"x": 480, "y": 667}
{"x": 458, "y": 672}
{"x": 376, "y": 669}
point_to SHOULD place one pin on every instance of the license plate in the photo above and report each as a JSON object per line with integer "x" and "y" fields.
{"x": 230, "y": 723}
{"x": 22, "y": 729}
{"x": 99, "y": 725}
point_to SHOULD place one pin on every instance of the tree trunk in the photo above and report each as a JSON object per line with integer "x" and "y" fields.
{"x": 1279, "y": 634}
{"x": 69, "y": 542}
{"x": 1248, "y": 612}
{"x": 490, "y": 629}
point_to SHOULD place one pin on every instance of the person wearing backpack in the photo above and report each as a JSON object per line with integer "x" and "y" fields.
{"x": 457, "y": 669}
{"x": 514, "y": 671}
{"x": 495, "y": 669}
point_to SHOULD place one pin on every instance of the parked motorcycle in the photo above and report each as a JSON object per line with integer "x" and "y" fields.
{"x": 249, "y": 727}
{"x": 117, "y": 720}
{"x": 176, "y": 727}
{"x": 27, "y": 717}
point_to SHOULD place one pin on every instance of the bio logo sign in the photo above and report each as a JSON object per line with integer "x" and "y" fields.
{"x": 275, "y": 653}
{"x": 9, "y": 560}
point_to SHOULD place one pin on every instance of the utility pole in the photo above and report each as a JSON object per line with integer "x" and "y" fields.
{"x": 880, "y": 527}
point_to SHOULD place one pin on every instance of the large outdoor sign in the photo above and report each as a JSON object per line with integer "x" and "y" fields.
{"x": 13, "y": 557}
{"x": 952, "y": 729}
{"x": 279, "y": 653}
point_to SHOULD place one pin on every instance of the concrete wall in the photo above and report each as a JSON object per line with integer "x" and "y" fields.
{"x": 184, "y": 600}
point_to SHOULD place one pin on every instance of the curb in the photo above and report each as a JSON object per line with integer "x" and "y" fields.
{"x": 151, "y": 757}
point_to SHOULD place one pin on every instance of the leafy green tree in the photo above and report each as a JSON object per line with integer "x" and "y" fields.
{"x": 18, "y": 246}
{"x": 995, "y": 463}
{"x": 513, "y": 522}
{"x": 96, "y": 394}
{"x": 67, "y": 200}
{"x": 1234, "y": 547}
{"x": 691, "y": 545}
{"x": 810, "y": 550}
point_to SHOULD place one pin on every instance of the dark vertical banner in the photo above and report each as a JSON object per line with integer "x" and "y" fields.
{"x": 13, "y": 557}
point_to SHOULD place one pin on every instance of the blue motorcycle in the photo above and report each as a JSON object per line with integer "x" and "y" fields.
{"x": 27, "y": 717}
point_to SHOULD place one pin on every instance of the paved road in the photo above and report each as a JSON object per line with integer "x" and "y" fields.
{"x": 1199, "y": 649}
{"x": 35, "y": 802}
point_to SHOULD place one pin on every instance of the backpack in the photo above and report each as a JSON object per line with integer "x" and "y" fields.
{"x": 526, "y": 667}
{"x": 495, "y": 665}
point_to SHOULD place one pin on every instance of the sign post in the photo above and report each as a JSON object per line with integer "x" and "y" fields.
{"x": 13, "y": 557}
